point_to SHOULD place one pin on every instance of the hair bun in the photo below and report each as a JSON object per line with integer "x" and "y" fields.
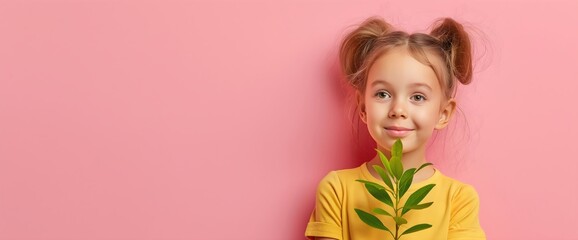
{"x": 456, "y": 43}
{"x": 357, "y": 45}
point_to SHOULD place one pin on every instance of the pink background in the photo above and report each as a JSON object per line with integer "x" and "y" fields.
{"x": 216, "y": 120}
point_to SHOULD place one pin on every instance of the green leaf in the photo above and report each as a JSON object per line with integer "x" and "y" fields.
{"x": 396, "y": 167}
{"x": 383, "y": 176}
{"x": 416, "y": 228}
{"x": 395, "y": 161}
{"x": 419, "y": 206}
{"x": 381, "y": 211}
{"x": 384, "y": 161}
{"x": 371, "y": 183}
{"x": 397, "y": 149}
{"x": 416, "y": 197}
{"x": 423, "y": 165}
{"x": 379, "y": 193}
{"x": 371, "y": 220}
{"x": 405, "y": 182}
{"x": 399, "y": 220}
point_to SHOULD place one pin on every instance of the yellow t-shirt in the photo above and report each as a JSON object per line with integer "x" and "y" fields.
{"x": 453, "y": 214}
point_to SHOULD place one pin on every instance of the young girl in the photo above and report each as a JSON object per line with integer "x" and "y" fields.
{"x": 405, "y": 86}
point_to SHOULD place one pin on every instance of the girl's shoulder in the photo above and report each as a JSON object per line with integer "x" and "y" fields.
{"x": 340, "y": 179}
{"x": 346, "y": 174}
{"x": 458, "y": 188}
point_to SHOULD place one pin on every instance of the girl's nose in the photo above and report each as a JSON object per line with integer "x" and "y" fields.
{"x": 397, "y": 110}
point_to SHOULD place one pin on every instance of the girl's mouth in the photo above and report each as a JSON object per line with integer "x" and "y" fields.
{"x": 397, "y": 133}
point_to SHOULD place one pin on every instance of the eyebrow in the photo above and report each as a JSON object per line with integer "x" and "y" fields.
{"x": 376, "y": 82}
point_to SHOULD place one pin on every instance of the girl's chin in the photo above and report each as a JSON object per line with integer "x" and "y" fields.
{"x": 388, "y": 143}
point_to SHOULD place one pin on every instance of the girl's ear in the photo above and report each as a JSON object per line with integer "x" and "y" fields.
{"x": 446, "y": 114}
{"x": 361, "y": 104}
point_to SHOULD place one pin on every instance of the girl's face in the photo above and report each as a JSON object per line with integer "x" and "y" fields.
{"x": 403, "y": 92}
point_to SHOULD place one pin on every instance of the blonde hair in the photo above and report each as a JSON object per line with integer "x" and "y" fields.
{"x": 448, "y": 41}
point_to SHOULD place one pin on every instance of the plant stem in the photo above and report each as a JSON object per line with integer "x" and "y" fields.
{"x": 396, "y": 205}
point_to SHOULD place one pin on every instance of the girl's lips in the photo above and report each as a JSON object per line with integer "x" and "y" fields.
{"x": 397, "y": 133}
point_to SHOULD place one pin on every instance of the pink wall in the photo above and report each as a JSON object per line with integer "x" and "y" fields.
{"x": 216, "y": 120}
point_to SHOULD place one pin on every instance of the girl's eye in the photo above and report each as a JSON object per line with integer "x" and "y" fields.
{"x": 422, "y": 96}
{"x": 381, "y": 94}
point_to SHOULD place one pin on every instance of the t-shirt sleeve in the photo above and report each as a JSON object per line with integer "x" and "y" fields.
{"x": 325, "y": 220}
{"x": 464, "y": 221}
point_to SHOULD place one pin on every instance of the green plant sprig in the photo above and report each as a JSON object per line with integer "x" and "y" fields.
{"x": 397, "y": 182}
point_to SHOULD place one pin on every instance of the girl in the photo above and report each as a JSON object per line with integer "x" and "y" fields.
{"x": 405, "y": 86}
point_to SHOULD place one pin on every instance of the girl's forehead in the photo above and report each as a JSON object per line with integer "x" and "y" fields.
{"x": 410, "y": 84}
{"x": 398, "y": 67}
